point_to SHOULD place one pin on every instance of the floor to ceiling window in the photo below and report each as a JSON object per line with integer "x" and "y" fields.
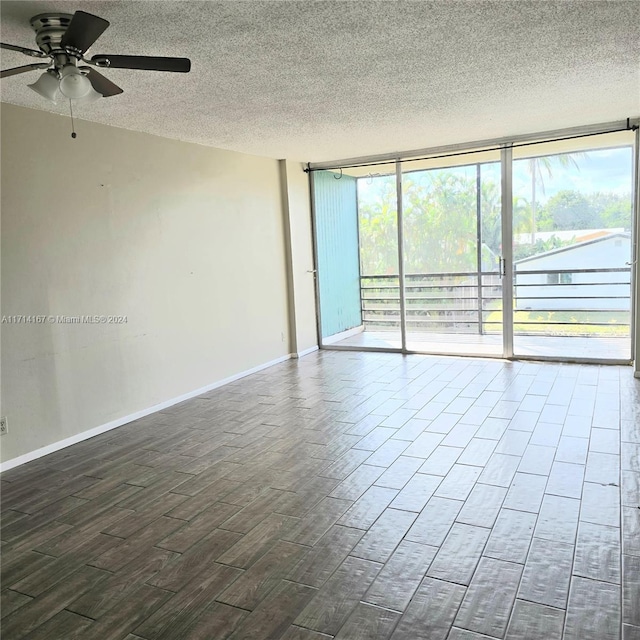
{"x": 520, "y": 250}
{"x": 572, "y": 248}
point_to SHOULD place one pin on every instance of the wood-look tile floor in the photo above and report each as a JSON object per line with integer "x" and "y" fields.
{"x": 348, "y": 495}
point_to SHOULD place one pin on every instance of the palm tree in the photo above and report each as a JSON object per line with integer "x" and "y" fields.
{"x": 535, "y": 168}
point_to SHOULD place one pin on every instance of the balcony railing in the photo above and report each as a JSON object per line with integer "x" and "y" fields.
{"x": 552, "y": 301}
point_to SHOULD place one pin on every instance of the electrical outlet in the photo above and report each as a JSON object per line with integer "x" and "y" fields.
{"x": 4, "y": 426}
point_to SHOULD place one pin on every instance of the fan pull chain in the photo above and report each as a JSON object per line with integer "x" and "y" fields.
{"x": 73, "y": 131}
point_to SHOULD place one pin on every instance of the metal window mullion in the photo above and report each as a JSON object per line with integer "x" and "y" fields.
{"x": 635, "y": 247}
{"x": 403, "y": 315}
{"x": 316, "y": 275}
{"x": 479, "y": 242}
{"x": 359, "y": 259}
{"x": 506, "y": 169}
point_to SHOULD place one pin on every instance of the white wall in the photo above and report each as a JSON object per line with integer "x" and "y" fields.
{"x": 184, "y": 240}
{"x": 297, "y": 206}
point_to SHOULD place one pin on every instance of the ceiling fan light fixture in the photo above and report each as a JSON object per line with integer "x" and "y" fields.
{"x": 47, "y": 86}
{"x": 63, "y": 40}
{"x": 92, "y": 96}
{"x": 73, "y": 84}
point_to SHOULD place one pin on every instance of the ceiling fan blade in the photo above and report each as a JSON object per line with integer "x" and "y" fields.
{"x": 83, "y": 30}
{"x": 147, "y": 63}
{"x": 103, "y": 85}
{"x": 29, "y": 67}
{"x": 28, "y": 52}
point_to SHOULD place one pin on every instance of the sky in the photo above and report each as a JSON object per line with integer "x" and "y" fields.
{"x": 600, "y": 170}
{"x": 604, "y": 170}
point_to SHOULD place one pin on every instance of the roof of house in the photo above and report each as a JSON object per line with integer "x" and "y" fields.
{"x": 577, "y": 245}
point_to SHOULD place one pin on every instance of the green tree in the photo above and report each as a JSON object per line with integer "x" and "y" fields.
{"x": 570, "y": 210}
{"x": 378, "y": 228}
{"x": 439, "y": 212}
{"x": 440, "y": 221}
{"x": 537, "y": 168}
{"x": 575, "y": 210}
{"x": 614, "y": 210}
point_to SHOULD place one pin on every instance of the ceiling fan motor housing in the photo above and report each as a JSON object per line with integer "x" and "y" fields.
{"x": 49, "y": 28}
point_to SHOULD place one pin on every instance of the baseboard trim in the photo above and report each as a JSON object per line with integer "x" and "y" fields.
{"x": 118, "y": 422}
{"x": 343, "y": 335}
{"x": 305, "y": 352}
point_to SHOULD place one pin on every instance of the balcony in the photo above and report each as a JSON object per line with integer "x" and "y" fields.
{"x": 565, "y": 313}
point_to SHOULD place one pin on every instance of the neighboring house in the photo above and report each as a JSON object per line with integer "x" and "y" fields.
{"x": 556, "y": 280}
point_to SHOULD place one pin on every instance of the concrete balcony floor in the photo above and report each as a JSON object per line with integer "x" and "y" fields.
{"x": 566, "y": 347}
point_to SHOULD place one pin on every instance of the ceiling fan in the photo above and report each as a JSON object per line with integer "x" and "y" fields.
{"x": 63, "y": 40}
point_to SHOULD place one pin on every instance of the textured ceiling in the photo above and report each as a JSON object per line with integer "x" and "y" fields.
{"x": 316, "y": 81}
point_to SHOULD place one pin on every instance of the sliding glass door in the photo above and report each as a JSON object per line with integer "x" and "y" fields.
{"x": 452, "y": 230}
{"x": 519, "y": 251}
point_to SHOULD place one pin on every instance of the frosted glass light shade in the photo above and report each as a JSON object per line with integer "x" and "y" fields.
{"x": 47, "y": 86}
{"x": 92, "y": 96}
{"x": 73, "y": 84}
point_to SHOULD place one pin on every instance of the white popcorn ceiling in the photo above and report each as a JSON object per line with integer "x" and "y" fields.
{"x": 316, "y": 81}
